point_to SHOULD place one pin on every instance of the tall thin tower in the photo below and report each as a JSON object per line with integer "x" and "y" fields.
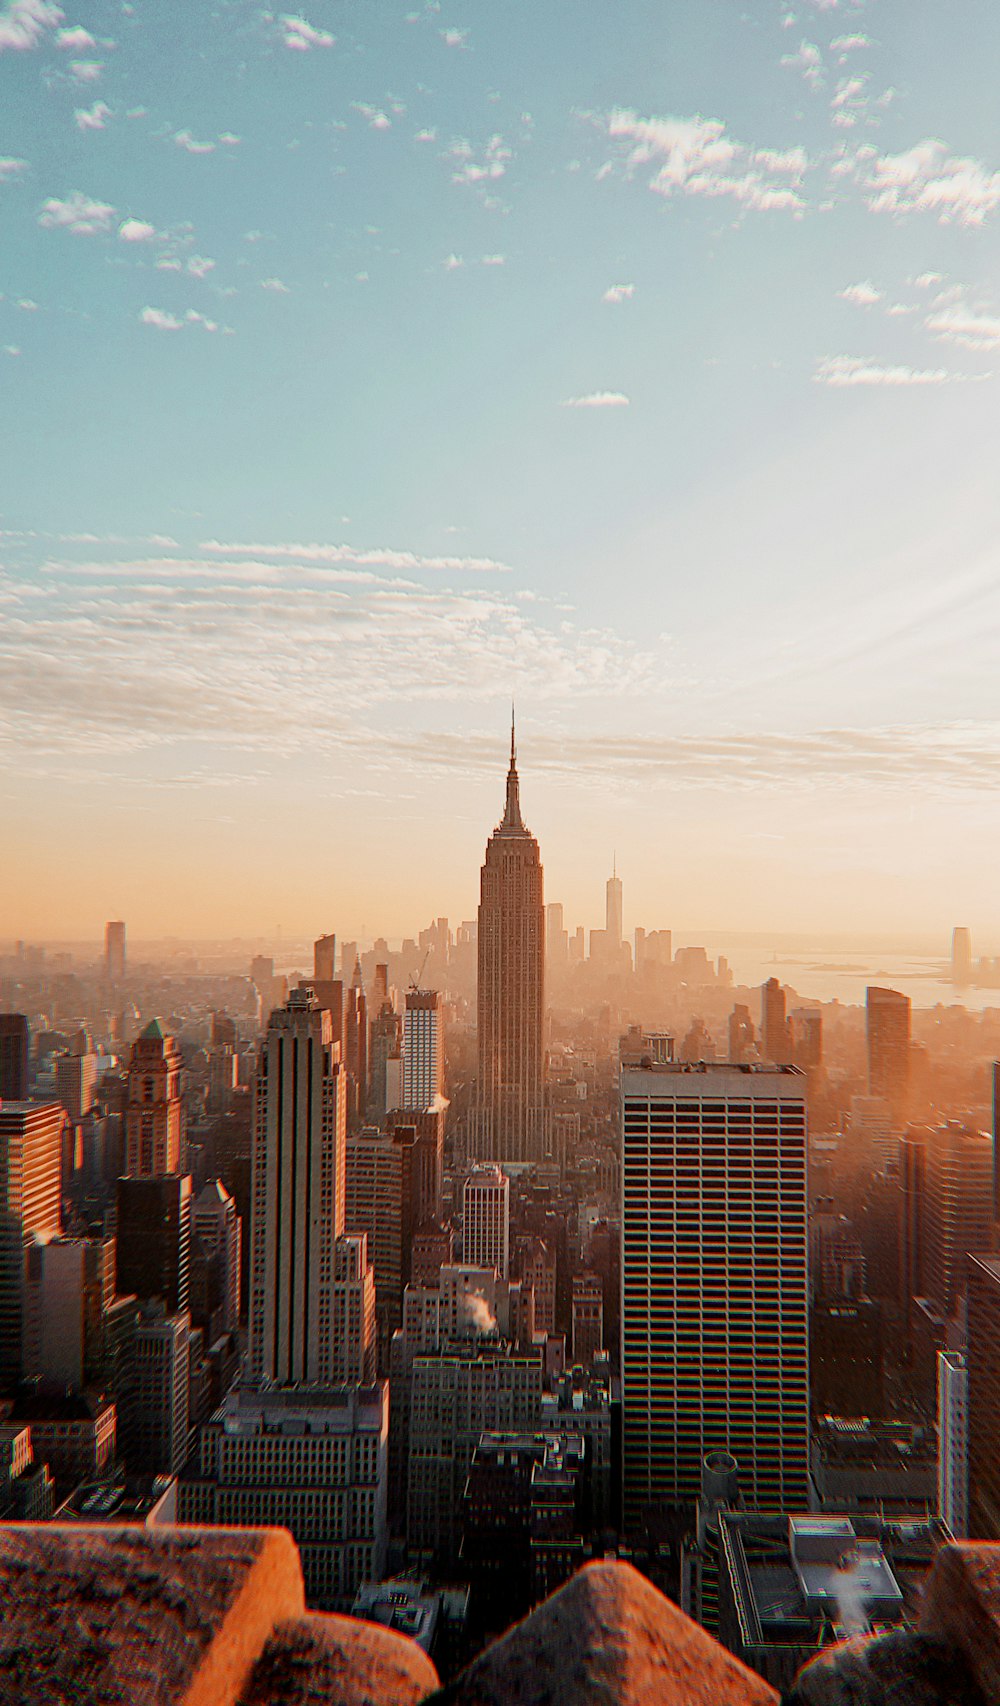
{"x": 613, "y": 911}
{"x": 511, "y": 988}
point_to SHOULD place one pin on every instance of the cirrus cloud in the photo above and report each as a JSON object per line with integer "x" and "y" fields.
{"x": 848, "y": 370}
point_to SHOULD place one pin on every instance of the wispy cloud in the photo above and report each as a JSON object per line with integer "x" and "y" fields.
{"x": 808, "y": 60}
{"x": 927, "y": 178}
{"x": 488, "y": 168}
{"x": 75, "y": 40}
{"x": 377, "y": 557}
{"x": 276, "y": 285}
{"x": 619, "y": 293}
{"x": 377, "y": 119}
{"x": 454, "y": 38}
{"x": 23, "y": 22}
{"x": 301, "y": 36}
{"x": 92, "y": 118}
{"x": 11, "y": 167}
{"x": 161, "y": 320}
{"x": 78, "y": 213}
{"x": 136, "y": 231}
{"x": 597, "y": 400}
{"x": 695, "y": 157}
{"x": 846, "y": 370}
{"x": 965, "y": 326}
{"x": 190, "y": 144}
{"x": 863, "y": 295}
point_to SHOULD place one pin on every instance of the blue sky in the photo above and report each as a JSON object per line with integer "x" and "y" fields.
{"x": 363, "y": 365}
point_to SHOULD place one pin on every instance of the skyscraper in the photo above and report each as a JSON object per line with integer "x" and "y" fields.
{"x": 15, "y": 1046}
{"x": 325, "y": 958}
{"x": 958, "y": 1212}
{"x": 715, "y": 1282}
{"x": 613, "y": 913}
{"x": 983, "y": 1365}
{"x": 30, "y": 1207}
{"x": 511, "y": 988}
{"x": 76, "y": 1076}
{"x": 953, "y": 1441}
{"x": 776, "y": 1043}
{"x": 423, "y": 1048}
{"x": 154, "y": 1238}
{"x": 887, "y": 1021}
{"x": 153, "y": 1117}
{"x": 219, "y": 1230}
{"x": 114, "y": 951}
{"x": 298, "y": 1193}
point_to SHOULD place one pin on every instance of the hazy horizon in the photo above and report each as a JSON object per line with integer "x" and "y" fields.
{"x": 365, "y": 367}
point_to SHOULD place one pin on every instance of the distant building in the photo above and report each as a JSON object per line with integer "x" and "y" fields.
{"x": 775, "y": 1039}
{"x": 298, "y": 1194}
{"x": 588, "y": 1318}
{"x": 153, "y": 1229}
{"x": 961, "y": 955}
{"x": 325, "y": 959}
{"x": 953, "y": 1442}
{"x": 15, "y": 1050}
{"x": 313, "y": 1460}
{"x": 219, "y": 1230}
{"x": 114, "y": 951}
{"x": 887, "y": 1020}
{"x": 154, "y": 1134}
{"x": 613, "y": 914}
{"x": 486, "y": 1219}
{"x": 715, "y": 1282}
{"x": 872, "y": 1467}
{"x": 76, "y": 1077}
{"x": 510, "y": 992}
{"x": 457, "y": 1396}
{"x": 983, "y": 1368}
{"x": 70, "y": 1289}
{"x": 30, "y": 1208}
{"x": 958, "y": 1209}
{"x": 156, "y": 1412}
{"x": 423, "y": 1048}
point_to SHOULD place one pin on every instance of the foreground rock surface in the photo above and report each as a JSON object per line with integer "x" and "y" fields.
{"x": 962, "y": 1606}
{"x": 339, "y": 1659}
{"x": 903, "y": 1668}
{"x": 607, "y": 1637}
{"x": 137, "y": 1616}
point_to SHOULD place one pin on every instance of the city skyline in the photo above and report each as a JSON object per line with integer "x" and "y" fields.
{"x": 361, "y": 370}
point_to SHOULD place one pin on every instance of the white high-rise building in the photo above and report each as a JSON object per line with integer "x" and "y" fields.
{"x": 715, "y": 1327}
{"x": 953, "y": 1441}
{"x": 423, "y": 1049}
{"x": 486, "y": 1219}
{"x": 298, "y": 1195}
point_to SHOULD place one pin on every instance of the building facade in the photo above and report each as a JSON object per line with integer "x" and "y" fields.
{"x": 486, "y": 1219}
{"x": 30, "y": 1208}
{"x": 953, "y": 1442}
{"x": 983, "y": 1365}
{"x": 313, "y": 1461}
{"x": 715, "y": 1289}
{"x": 423, "y": 1048}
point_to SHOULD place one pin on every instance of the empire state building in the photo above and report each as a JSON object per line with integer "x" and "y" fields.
{"x": 511, "y": 989}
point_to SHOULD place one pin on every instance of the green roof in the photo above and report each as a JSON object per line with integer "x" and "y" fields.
{"x": 154, "y": 1032}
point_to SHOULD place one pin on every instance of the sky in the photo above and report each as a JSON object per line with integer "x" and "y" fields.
{"x": 366, "y": 366}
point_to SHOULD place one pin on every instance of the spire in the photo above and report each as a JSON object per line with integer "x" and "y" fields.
{"x": 512, "y": 821}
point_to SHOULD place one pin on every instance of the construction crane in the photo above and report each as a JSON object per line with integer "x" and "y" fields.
{"x": 415, "y": 981}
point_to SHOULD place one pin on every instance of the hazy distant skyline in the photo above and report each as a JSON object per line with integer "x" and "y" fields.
{"x": 361, "y": 366}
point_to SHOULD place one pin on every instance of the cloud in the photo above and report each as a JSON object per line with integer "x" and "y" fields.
{"x": 454, "y": 38}
{"x": 78, "y": 213}
{"x": 86, "y": 70}
{"x": 619, "y": 293}
{"x": 966, "y": 327}
{"x": 695, "y": 157}
{"x": 488, "y": 169}
{"x": 846, "y": 370}
{"x": 597, "y": 400}
{"x": 928, "y": 179}
{"x": 92, "y": 118}
{"x": 863, "y": 295}
{"x": 854, "y": 43}
{"x": 276, "y": 285}
{"x": 302, "y": 36}
{"x": 378, "y": 558}
{"x": 377, "y": 119}
{"x": 493, "y": 261}
{"x": 193, "y": 318}
{"x": 162, "y": 321}
{"x": 11, "y": 167}
{"x": 23, "y": 22}
{"x": 199, "y": 266}
{"x": 809, "y": 61}
{"x": 452, "y": 263}
{"x": 190, "y": 144}
{"x": 136, "y": 231}
{"x": 75, "y": 40}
